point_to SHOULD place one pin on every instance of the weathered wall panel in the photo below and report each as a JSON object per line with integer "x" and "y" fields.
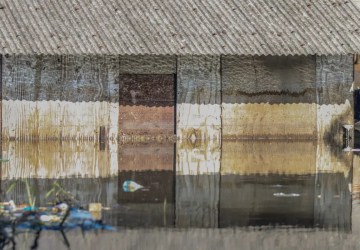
{"x": 198, "y": 98}
{"x": 197, "y": 184}
{"x": 52, "y": 97}
{"x": 26, "y": 120}
{"x": 332, "y": 159}
{"x": 64, "y": 78}
{"x": 268, "y": 157}
{"x": 268, "y": 97}
{"x": 147, "y": 105}
{"x": 334, "y": 78}
{"x": 51, "y": 160}
{"x": 146, "y": 64}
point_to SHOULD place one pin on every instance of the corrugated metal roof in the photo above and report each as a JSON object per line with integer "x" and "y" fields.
{"x": 246, "y": 27}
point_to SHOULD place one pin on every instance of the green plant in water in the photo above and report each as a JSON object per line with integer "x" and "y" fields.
{"x": 30, "y": 196}
{"x": 60, "y": 194}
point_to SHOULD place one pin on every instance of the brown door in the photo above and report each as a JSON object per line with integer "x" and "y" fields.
{"x": 147, "y": 105}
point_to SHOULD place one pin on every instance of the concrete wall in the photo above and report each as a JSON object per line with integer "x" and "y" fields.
{"x": 268, "y": 97}
{"x": 52, "y": 97}
{"x": 198, "y": 98}
{"x": 335, "y": 106}
{"x": 71, "y": 97}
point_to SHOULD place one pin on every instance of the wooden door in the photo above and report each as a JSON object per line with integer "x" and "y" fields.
{"x": 147, "y": 105}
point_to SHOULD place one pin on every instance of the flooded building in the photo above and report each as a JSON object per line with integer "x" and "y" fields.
{"x": 97, "y": 95}
{"x": 244, "y": 69}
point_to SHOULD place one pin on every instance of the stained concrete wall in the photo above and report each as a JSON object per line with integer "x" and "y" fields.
{"x": 198, "y": 98}
{"x": 71, "y": 97}
{"x": 59, "y": 97}
{"x": 334, "y": 79}
{"x": 268, "y": 97}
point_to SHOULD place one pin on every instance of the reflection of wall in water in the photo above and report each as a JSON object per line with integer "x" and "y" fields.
{"x": 321, "y": 201}
{"x": 85, "y": 190}
{"x": 255, "y": 200}
{"x": 266, "y": 156}
{"x": 197, "y": 184}
{"x": 152, "y": 166}
{"x": 53, "y": 159}
{"x": 146, "y": 156}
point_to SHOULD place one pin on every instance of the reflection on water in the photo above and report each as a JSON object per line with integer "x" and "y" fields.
{"x": 183, "y": 185}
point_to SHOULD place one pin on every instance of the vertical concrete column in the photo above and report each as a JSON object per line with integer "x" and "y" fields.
{"x": 334, "y": 78}
{"x": 198, "y": 98}
{"x": 197, "y": 185}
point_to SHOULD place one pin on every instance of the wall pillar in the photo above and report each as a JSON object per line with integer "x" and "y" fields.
{"x": 334, "y": 78}
{"x": 198, "y": 98}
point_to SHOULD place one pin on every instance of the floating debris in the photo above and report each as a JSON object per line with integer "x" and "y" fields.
{"x": 286, "y": 195}
{"x": 131, "y": 186}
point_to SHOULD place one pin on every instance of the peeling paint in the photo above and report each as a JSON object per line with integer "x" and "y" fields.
{"x": 48, "y": 120}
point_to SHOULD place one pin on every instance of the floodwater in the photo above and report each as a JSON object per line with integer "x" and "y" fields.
{"x": 191, "y": 195}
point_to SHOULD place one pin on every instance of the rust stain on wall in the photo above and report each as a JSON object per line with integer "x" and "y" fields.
{"x": 147, "y": 105}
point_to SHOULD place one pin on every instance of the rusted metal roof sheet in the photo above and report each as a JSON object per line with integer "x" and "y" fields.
{"x": 179, "y": 27}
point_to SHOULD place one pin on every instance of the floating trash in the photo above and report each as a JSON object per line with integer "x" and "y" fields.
{"x": 286, "y": 195}
{"x": 131, "y": 186}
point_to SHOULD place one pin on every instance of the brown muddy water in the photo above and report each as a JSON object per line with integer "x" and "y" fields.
{"x": 228, "y": 195}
